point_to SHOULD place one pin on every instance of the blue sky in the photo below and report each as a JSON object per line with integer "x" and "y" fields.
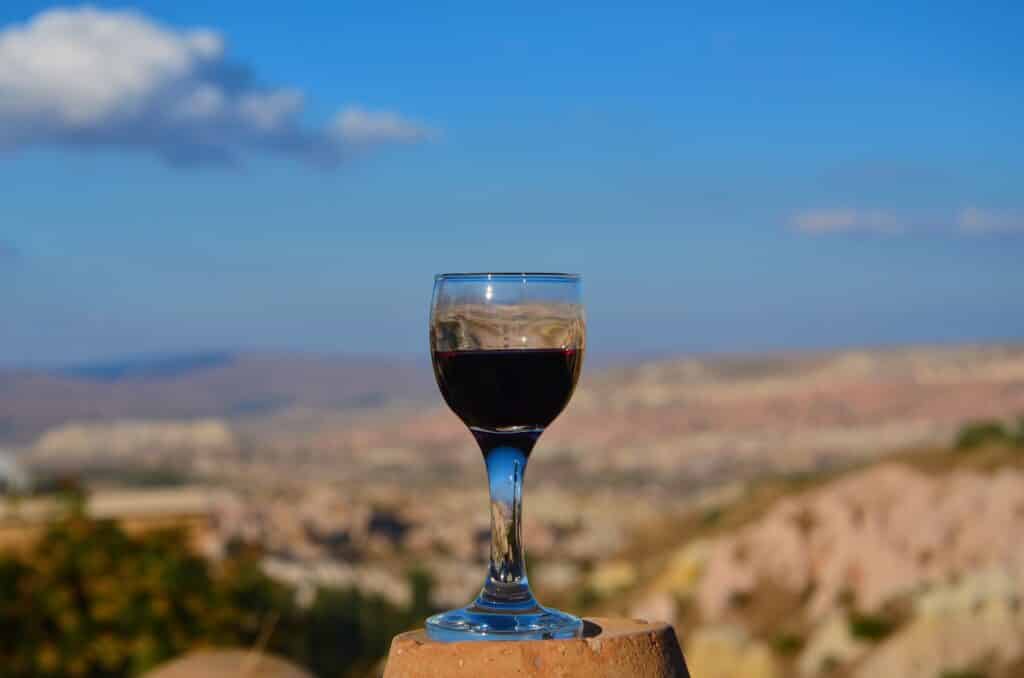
{"x": 726, "y": 178}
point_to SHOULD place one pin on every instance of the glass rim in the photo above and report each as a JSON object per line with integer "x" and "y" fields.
{"x": 509, "y": 275}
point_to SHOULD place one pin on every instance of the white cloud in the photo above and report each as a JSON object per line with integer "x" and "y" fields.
{"x": 968, "y": 221}
{"x": 94, "y": 78}
{"x": 361, "y": 126}
{"x": 824, "y": 221}
{"x": 977, "y": 221}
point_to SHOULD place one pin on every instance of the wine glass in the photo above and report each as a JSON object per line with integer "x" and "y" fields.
{"x": 507, "y": 349}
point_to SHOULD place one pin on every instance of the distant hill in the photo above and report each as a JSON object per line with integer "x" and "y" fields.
{"x": 150, "y": 367}
{"x": 747, "y": 409}
{"x": 222, "y": 384}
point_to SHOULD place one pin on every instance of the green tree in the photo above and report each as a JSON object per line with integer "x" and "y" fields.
{"x": 94, "y": 601}
{"x": 91, "y": 600}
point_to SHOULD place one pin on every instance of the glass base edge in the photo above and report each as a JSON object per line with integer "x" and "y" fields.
{"x": 471, "y": 624}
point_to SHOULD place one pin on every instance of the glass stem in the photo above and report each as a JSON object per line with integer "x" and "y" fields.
{"x": 505, "y": 454}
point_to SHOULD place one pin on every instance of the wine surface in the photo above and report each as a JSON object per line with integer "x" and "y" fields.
{"x": 508, "y": 389}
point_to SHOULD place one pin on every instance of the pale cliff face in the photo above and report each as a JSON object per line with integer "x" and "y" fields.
{"x": 875, "y": 535}
{"x": 125, "y": 437}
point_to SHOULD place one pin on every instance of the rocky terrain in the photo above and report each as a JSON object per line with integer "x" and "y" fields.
{"x": 904, "y": 568}
{"x": 793, "y": 514}
{"x": 692, "y": 422}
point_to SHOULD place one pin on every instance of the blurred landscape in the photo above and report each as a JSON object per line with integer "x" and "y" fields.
{"x": 799, "y": 431}
{"x": 826, "y": 513}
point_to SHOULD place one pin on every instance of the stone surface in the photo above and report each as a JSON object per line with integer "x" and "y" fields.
{"x": 610, "y": 578}
{"x": 875, "y": 535}
{"x": 218, "y": 663}
{"x": 611, "y": 648}
{"x": 728, "y": 652}
{"x": 973, "y": 622}
{"x": 831, "y": 642}
{"x": 685, "y": 568}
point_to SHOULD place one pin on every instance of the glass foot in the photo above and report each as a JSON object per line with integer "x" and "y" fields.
{"x": 478, "y": 623}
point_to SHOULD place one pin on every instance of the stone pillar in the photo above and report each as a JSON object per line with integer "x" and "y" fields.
{"x": 610, "y": 648}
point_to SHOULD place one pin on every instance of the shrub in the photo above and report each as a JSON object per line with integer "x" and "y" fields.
{"x": 92, "y": 601}
{"x": 870, "y": 627}
{"x": 979, "y": 433}
{"x": 788, "y": 644}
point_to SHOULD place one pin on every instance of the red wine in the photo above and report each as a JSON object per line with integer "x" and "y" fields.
{"x": 508, "y": 389}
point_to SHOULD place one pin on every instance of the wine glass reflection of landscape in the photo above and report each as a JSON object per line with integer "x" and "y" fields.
{"x": 507, "y": 350}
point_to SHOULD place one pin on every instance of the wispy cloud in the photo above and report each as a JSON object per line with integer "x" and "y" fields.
{"x": 360, "y": 126}
{"x": 90, "y": 78}
{"x": 980, "y": 221}
{"x": 968, "y": 221}
{"x": 824, "y": 221}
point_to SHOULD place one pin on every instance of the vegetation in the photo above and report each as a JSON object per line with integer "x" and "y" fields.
{"x": 788, "y": 644}
{"x": 984, "y": 432}
{"x": 111, "y": 476}
{"x": 93, "y": 601}
{"x": 870, "y": 627}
